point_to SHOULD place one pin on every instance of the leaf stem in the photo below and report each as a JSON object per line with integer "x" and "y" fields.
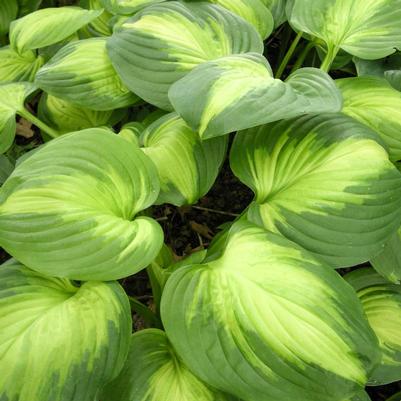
{"x": 330, "y": 56}
{"x": 142, "y": 310}
{"x": 39, "y": 123}
{"x": 302, "y": 56}
{"x": 288, "y": 55}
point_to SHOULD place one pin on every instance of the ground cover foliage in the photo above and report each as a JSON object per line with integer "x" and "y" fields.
{"x": 200, "y": 200}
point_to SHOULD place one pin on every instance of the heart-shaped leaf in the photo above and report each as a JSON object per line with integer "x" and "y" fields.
{"x": 81, "y": 73}
{"x": 58, "y": 341}
{"x": 153, "y": 371}
{"x": 47, "y": 26}
{"x": 162, "y": 43}
{"x": 369, "y": 29}
{"x": 187, "y": 166}
{"x": 265, "y": 320}
{"x": 322, "y": 181}
{"x": 81, "y": 193}
{"x": 381, "y": 302}
{"x": 374, "y": 102}
{"x": 239, "y": 91}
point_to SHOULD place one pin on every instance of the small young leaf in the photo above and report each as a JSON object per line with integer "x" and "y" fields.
{"x": 372, "y": 101}
{"x": 186, "y": 165}
{"x": 324, "y": 182}
{"x": 238, "y": 92}
{"x": 153, "y": 371}
{"x": 162, "y": 43}
{"x": 81, "y": 73}
{"x": 65, "y": 117}
{"x": 59, "y": 342}
{"x": 81, "y": 192}
{"x": 369, "y": 29}
{"x": 381, "y": 302}
{"x": 267, "y": 321}
{"x": 47, "y": 26}
{"x": 15, "y": 67}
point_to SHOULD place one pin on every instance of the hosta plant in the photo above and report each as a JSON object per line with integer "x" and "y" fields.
{"x": 116, "y": 119}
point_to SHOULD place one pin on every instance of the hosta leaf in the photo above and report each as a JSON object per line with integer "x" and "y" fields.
{"x": 12, "y": 96}
{"x": 381, "y": 301}
{"x": 361, "y": 396}
{"x": 66, "y": 117}
{"x": 59, "y": 342}
{"x": 277, "y": 8}
{"x": 267, "y": 321}
{"x": 47, "y": 26}
{"x": 153, "y": 371}
{"x": 81, "y": 73}
{"x": 187, "y": 166}
{"x": 253, "y": 11}
{"x": 101, "y": 26}
{"x": 239, "y": 91}
{"x": 369, "y": 29}
{"x": 388, "y": 68}
{"x": 81, "y": 193}
{"x": 395, "y": 397}
{"x": 16, "y": 67}
{"x": 162, "y": 43}
{"x": 372, "y": 101}
{"x": 127, "y": 6}
{"x": 388, "y": 262}
{"x": 8, "y": 12}
{"x": 227, "y": 88}
{"x": 322, "y": 181}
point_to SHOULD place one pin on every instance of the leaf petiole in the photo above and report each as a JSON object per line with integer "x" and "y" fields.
{"x": 288, "y": 56}
{"x": 39, "y": 123}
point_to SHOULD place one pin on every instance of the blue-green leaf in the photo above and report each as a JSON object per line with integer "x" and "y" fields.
{"x": 238, "y": 92}
{"x": 324, "y": 182}
{"x": 81, "y": 73}
{"x": 81, "y": 193}
{"x": 265, "y": 320}
{"x": 162, "y": 43}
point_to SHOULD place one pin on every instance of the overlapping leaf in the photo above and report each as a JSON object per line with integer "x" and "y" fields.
{"x": 253, "y": 11}
{"x": 162, "y": 43}
{"x": 388, "y": 68}
{"x": 265, "y": 321}
{"x": 277, "y": 8}
{"x": 369, "y": 29}
{"x": 81, "y": 73}
{"x": 186, "y": 165}
{"x": 59, "y": 342}
{"x": 322, "y": 181}
{"x": 239, "y": 91}
{"x": 128, "y": 7}
{"x": 69, "y": 209}
{"x": 12, "y": 97}
{"x": 153, "y": 371}
{"x": 65, "y": 117}
{"x": 388, "y": 262}
{"x": 381, "y": 301}
{"x": 15, "y": 67}
{"x": 47, "y": 26}
{"x": 372, "y": 101}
